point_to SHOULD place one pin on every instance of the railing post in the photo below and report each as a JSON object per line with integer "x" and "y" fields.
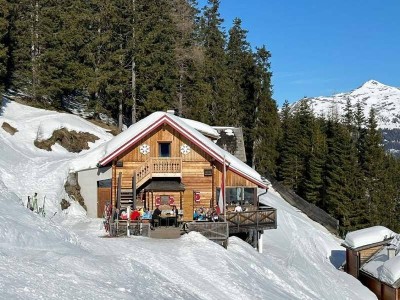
{"x": 119, "y": 190}
{"x": 134, "y": 190}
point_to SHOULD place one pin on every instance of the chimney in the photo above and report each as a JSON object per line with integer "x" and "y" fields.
{"x": 171, "y": 111}
{"x": 391, "y": 252}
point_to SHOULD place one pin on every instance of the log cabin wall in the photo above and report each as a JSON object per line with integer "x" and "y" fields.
{"x": 193, "y": 165}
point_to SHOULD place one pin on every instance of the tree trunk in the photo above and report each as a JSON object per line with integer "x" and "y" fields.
{"x": 34, "y": 46}
{"x": 120, "y": 112}
{"x": 133, "y": 85}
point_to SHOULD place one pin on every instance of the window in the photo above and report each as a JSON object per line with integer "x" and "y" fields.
{"x": 240, "y": 195}
{"x": 250, "y": 195}
{"x": 164, "y": 149}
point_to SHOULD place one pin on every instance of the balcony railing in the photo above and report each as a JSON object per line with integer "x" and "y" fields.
{"x": 256, "y": 219}
{"x": 159, "y": 167}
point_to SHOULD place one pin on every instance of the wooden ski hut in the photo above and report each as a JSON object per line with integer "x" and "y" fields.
{"x": 371, "y": 256}
{"x": 164, "y": 160}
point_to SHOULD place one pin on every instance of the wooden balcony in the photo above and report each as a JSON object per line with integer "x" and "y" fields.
{"x": 260, "y": 219}
{"x": 159, "y": 167}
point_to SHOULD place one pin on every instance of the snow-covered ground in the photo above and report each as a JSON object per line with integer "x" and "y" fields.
{"x": 65, "y": 255}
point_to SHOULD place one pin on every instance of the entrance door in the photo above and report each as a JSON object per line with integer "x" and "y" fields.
{"x": 103, "y": 195}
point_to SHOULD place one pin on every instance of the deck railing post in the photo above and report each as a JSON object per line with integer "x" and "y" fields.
{"x": 119, "y": 190}
{"x": 134, "y": 190}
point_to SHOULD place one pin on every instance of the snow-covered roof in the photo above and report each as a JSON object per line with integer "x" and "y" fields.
{"x": 368, "y": 236}
{"x": 109, "y": 150}
{"x": 390, "y": 271}
{"x": 202, "y": 127}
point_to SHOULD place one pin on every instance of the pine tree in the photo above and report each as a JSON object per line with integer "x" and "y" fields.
{"x": 246, "y": 73}
{"x": 375, "y": 172}
{"x": 157, "y": 73}
{"x": 336, "y": 199}
{"x": 37, "y": 56}
{"x": 348, "y": 116}
{"x": 240, "y": 64}
{"x": 266, "y": 128}
{"x": 304, "y": 123}
{"x": 218, "y": 86}
{"x": 188, "y": 54}
{"x": 24, "y": 46}
{"x": 315, "y": 164}
{"x": 290, "y": 163}
{"x": 360, "y": 132}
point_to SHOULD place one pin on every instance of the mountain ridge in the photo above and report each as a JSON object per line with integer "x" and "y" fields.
{"x": 383, "y": 98}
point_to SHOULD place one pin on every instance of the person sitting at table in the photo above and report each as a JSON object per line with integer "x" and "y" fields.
{"x": 123, "y": 215}
{"x": 135, "y": 215}
{"x": 141, "y": 211}
{"x": 156, "y": 216}
{"x": 238, "y": 208}
{"x": 196, "y": 214}
{"x": 202, "y": 216}
{"x": 146, "y": 214}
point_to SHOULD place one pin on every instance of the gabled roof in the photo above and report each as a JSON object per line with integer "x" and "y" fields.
{"x": 139, "y": 130}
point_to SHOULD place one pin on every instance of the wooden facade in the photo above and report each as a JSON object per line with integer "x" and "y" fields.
{"x": 199, "y": 173}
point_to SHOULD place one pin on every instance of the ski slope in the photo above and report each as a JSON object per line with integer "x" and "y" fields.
{"x": 65, "y": 255}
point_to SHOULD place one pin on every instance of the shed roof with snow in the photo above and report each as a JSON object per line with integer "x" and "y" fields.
{"x": 367, "y": 236}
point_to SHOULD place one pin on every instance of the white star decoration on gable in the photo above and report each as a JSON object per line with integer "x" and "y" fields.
{"x": 185, "y": 149}
{"x": 144, "y": 149}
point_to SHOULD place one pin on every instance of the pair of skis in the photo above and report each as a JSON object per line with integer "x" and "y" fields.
{"x": 39, "y": 210}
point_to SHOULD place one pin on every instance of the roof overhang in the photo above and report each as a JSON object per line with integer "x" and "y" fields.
{"x": 385, "y": 242}
{"x": 164, "y": 186}
{"x": 165, "y": 119}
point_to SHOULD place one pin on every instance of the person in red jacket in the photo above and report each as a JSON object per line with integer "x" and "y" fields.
{"x": 135, "y": 215}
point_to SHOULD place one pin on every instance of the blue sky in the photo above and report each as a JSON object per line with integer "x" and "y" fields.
{"x": 322, "y": 47}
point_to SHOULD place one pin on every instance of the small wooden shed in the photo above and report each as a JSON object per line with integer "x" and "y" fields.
{"x": 357, "y": 257}
{"x": 371, "y": 258}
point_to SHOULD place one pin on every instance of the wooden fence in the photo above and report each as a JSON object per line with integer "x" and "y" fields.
{"x": 215, "y": 231}
{"x": 253, "y": 219}
{"x": 135, "y": 228}
{"x": 312, "y": 211}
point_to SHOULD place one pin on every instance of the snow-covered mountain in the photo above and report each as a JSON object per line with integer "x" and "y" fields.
{"x": 384, "y": 99}
{"x": 64, "y": 255}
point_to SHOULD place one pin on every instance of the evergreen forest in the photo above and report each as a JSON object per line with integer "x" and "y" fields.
{"x": 129, "y": 58}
